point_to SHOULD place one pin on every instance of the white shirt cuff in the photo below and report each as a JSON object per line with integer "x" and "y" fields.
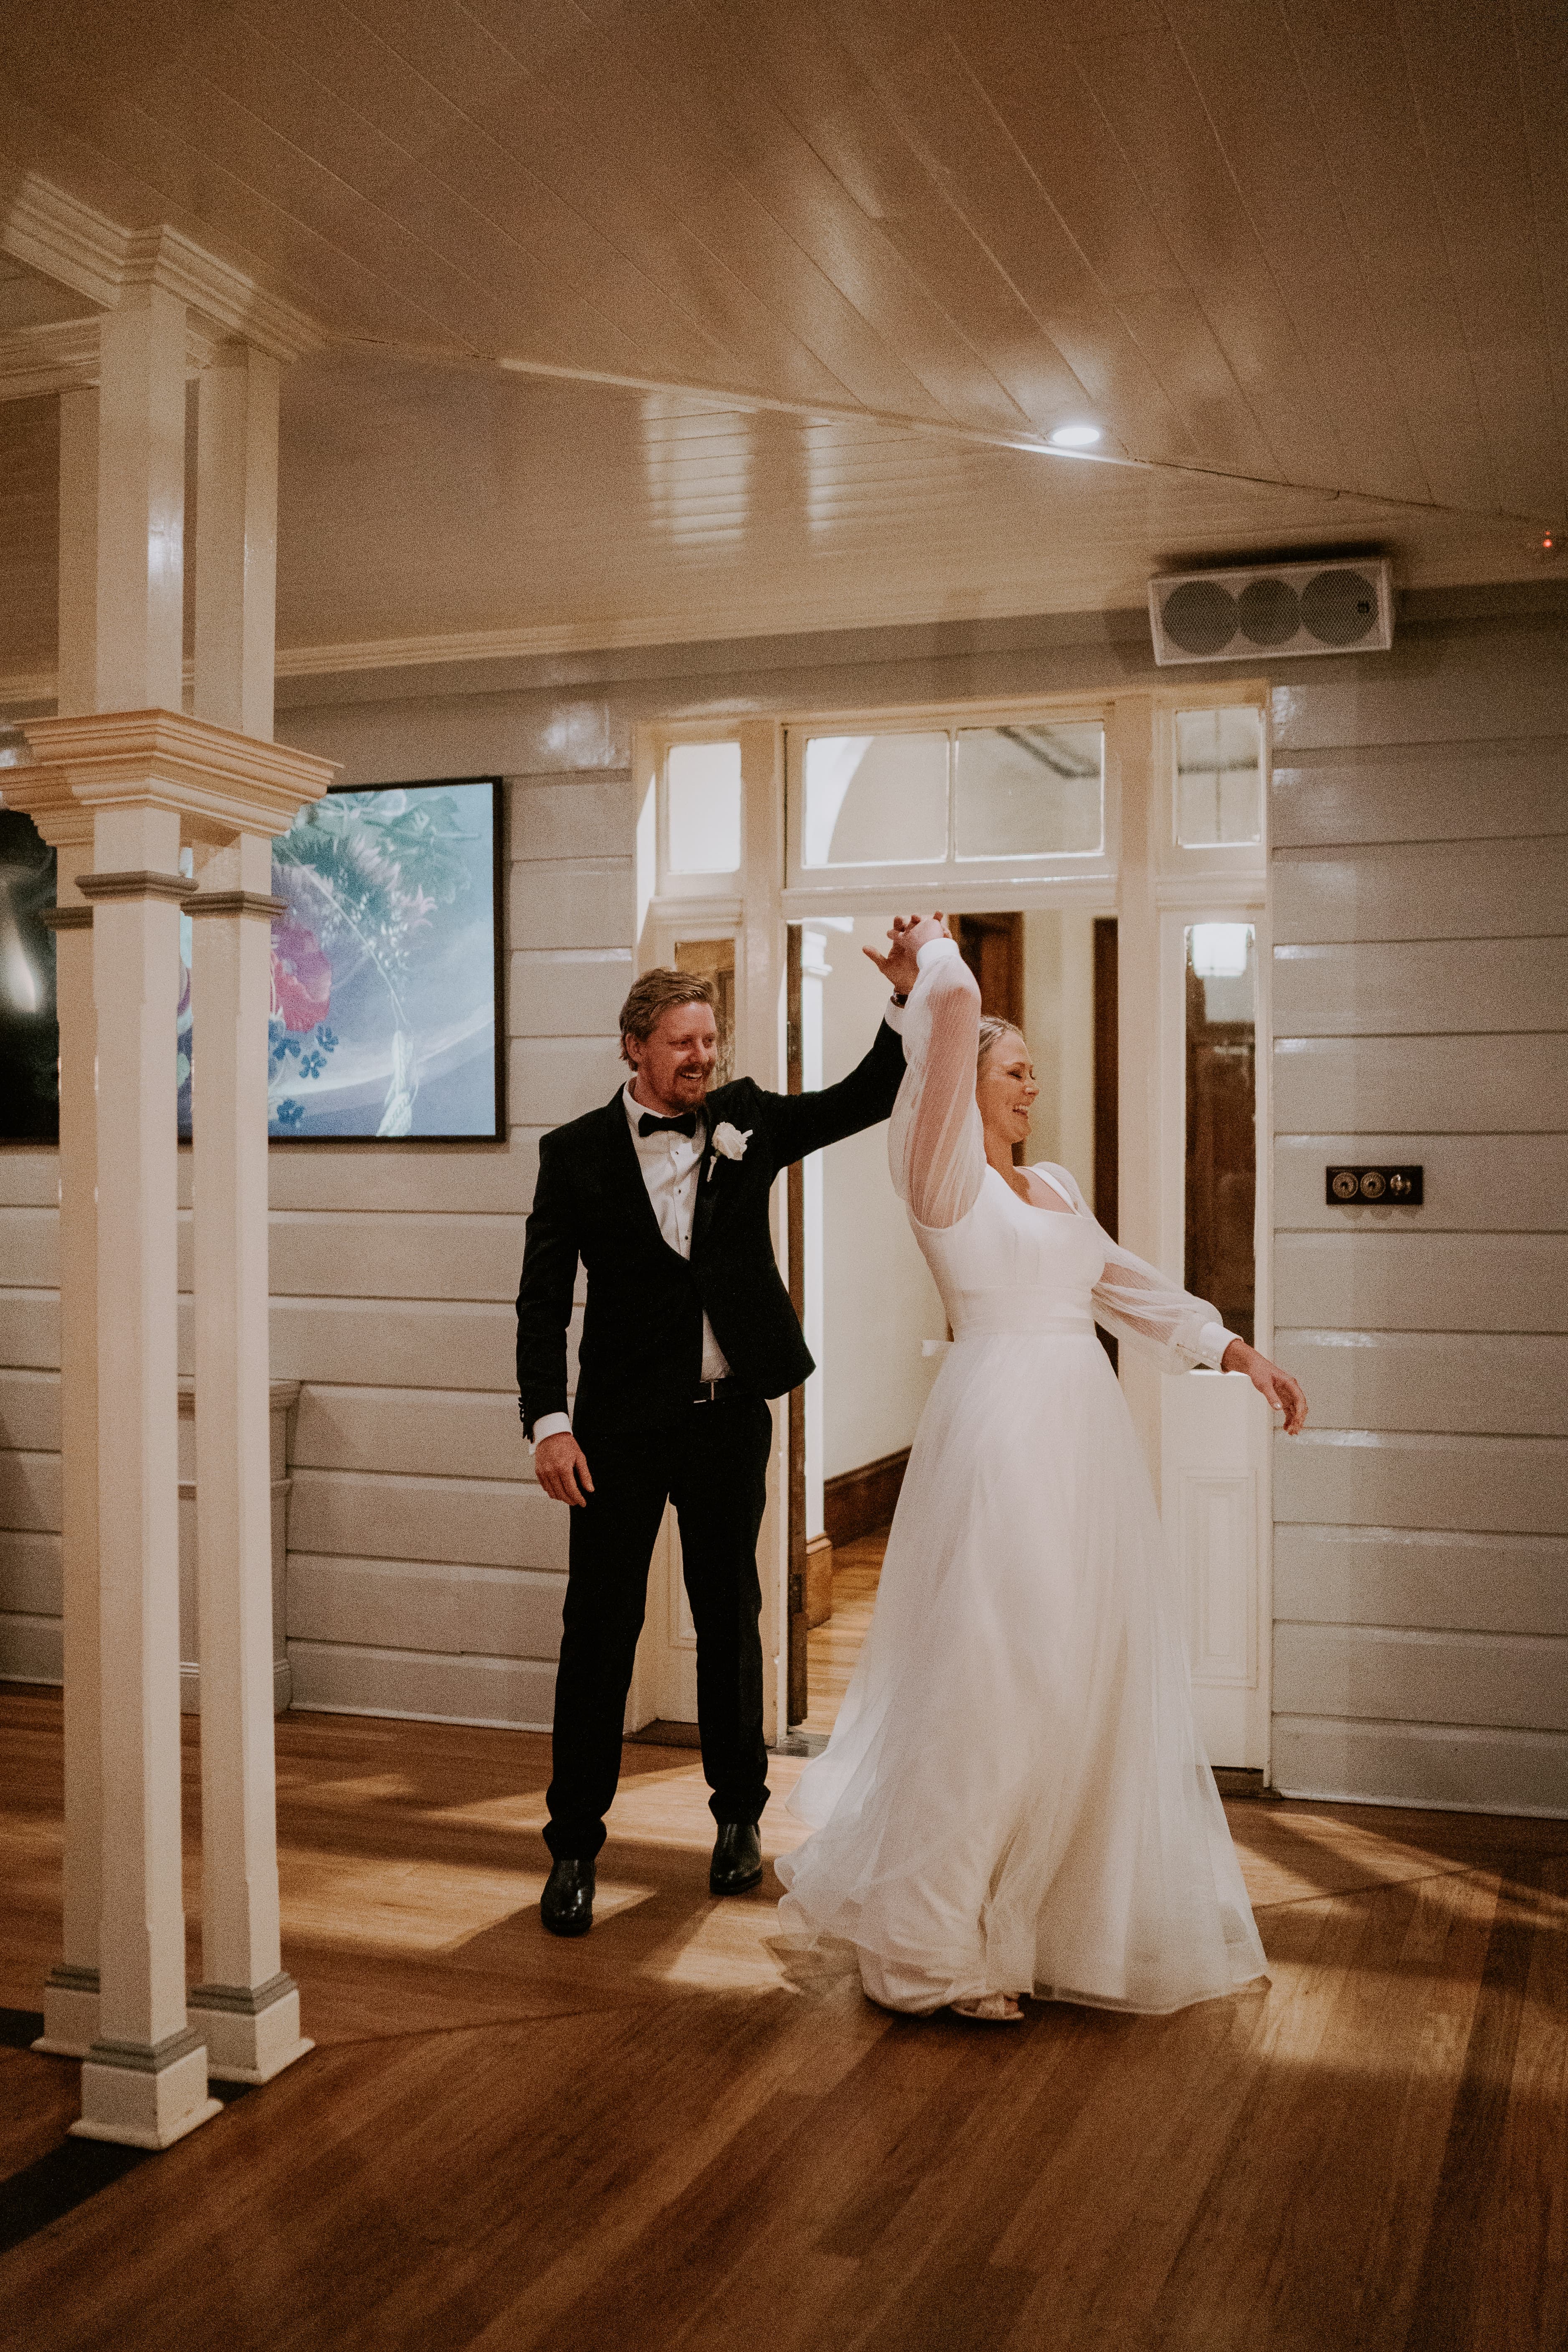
{"x": 934, "y": 950}
{"x": 893, "y": 1015}
{"x": 549, "y": 1425}
{"x": 1213, "y": 1341}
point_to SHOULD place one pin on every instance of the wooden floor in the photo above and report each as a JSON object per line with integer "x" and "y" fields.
{"x": 682, "y": 2132}
{"x": 833, "y": 1646}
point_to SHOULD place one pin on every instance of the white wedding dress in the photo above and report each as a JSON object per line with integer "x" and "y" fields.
{"x": 1014, "y": 1796}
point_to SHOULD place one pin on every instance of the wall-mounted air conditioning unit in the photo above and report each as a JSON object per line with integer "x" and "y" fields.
{"x": 1273, "y": 609}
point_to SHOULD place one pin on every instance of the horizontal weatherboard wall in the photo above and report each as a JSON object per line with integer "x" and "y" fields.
{"x": 1420, "y": 881}
{"x": 1420, "y": 1008}
{"x": 426, "y": 1569}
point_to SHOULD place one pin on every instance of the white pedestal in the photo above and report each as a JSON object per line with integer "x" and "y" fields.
{"x": 142, "y": 2095}
{"x": 250, "y": 2035}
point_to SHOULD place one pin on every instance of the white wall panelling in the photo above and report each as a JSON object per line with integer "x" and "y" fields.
{"x": 1415, "y": 1281}
{"x": 1418, "y": 863}
{"x": 1421, "y": 1002}
{"x": 1402, "y": 1576}
{"x": 1422, "y": 890}
{"x": 1480, "y": 1383}
{"x": 1523, "y": 1179}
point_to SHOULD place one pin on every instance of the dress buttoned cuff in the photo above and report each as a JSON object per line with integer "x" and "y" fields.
{"x": 1213, "y": 1341}
{"x": 550, "y": 1424}
{"x": 893, "y": 1015}
{"x": 935, "y": 951}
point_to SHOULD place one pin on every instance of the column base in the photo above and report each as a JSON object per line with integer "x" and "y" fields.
{"x": 252, "y": 2032}
{"x": 70, "y": 2012}
{"x": 145, "y": 2095}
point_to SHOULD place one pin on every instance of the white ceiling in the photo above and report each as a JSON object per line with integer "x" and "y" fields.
{"x": 1305, "y": 263}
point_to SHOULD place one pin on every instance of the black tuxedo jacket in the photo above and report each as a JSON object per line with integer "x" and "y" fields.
{"x": 641, "y": 1354}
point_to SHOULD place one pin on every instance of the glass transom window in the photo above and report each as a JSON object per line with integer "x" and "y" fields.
{"x": 1029, "y": 789}
{"x": 875, "y": 800}
{"x": 1219, "y": 777}
{"x": 702, "y": 800}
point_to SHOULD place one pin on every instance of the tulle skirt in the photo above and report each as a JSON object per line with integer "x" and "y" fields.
{"x": 1015, "y": 1797}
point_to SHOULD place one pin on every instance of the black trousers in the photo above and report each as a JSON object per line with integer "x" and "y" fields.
{"x": 712, "y": 1464}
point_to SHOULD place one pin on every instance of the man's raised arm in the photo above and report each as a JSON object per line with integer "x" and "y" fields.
{"x": 803, "y": 1123}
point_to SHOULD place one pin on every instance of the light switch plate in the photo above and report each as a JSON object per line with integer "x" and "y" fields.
{"x": 1362, "y": 1188}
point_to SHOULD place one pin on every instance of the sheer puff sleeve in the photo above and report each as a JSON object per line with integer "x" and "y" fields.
{"x": 1143, "y": 1306}
{"x": 935, "y": 1147}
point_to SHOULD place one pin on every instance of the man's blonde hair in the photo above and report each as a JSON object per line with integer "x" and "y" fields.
{"x": 657, "y": 992}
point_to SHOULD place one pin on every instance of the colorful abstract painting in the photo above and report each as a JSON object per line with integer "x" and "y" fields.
{"x": 385, "y": 1015}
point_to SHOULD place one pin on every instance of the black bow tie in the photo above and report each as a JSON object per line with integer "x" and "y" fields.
{"x": 650, "y": 1123}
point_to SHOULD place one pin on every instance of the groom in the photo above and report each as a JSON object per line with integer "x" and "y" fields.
{"x": 663, "y": 1195}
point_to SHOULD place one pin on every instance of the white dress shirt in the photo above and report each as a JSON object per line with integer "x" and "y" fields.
{"x": 671, "y": 1167}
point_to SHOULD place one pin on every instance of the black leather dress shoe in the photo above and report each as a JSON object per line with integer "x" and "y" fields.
{"x": 737, "y": 1864}
{"x": 566, "y": 1907}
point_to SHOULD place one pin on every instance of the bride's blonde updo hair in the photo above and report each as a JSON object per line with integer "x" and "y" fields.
{"x": 992, "y": 1028}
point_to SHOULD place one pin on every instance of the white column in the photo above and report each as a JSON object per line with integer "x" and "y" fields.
{"x": 1130, "y": 740}
{"x": 77, "y": 680}
{"x": 247, "y": 2008}
{"x": 71, "y": 1995}
{"x": 237, "y": 539}
{"x": 145, "y": 2081}
{"x": 141, "y": 502}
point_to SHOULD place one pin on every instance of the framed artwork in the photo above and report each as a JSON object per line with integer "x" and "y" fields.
{"x": 387, "y": 968}
{"x": 29, "y": 1032}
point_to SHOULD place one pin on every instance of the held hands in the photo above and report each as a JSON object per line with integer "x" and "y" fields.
{"x": 562, "y": 1468}
{"x": 1281, "y": 1392}
{"x": 899, "y": 967}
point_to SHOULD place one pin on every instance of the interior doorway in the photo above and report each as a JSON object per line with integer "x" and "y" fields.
{"x": 1139, "y": 819}
{"x": 872, "y": 1313}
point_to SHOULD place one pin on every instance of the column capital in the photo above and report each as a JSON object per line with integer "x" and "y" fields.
{"x": 221, "y": 783}
{"x": 44, "y": 793}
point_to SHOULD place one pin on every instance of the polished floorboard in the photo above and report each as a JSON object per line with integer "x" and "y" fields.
{"x": 833, "y": 1646}
{"x": 682, "y": 2132}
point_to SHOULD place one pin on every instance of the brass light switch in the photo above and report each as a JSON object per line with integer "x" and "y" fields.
{"x": 1357, "y": 1187}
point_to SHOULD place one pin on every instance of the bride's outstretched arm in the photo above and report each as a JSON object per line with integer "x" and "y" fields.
{"x": 1139, "y": 1303}
{"x": 935, "y": 1146}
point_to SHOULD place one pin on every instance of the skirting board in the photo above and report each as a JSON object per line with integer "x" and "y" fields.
{"x": 663, "y": 1733}
{"x": 1423, "y": 1768}
{"x": 191, "y": 1687}
{"x": 424, "y": 1686}
{"x": 857, "y": 1502}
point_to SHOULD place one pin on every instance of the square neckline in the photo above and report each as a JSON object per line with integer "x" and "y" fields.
{"x": 1069, "y": 1206}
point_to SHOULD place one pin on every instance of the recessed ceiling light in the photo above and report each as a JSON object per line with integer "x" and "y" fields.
{"x": 1074, "y": 436}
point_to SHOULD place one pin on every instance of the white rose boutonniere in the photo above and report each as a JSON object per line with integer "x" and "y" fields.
{"x": 729, "y": 1143}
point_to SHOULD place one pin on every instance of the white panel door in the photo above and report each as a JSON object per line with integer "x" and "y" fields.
{"x": 1213, "y": 1439}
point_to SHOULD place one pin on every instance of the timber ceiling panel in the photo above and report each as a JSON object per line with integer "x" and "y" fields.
{"x": 432, "y": 512}
{"x": 1297, "y": 240}
{"x": 668, "y": 317}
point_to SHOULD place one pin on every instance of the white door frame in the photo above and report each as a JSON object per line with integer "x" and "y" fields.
{"x": 1152, "y": 887}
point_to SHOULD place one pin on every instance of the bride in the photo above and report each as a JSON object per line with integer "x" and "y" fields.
{"x": 1015, "y": 1798}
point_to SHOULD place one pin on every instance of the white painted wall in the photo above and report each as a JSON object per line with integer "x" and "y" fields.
{"x": 1420, "y": 878}
{"x": 1058, "y": 1025}
{"x": 1420, "y": 989}
{"x": 880, "y": 1302}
